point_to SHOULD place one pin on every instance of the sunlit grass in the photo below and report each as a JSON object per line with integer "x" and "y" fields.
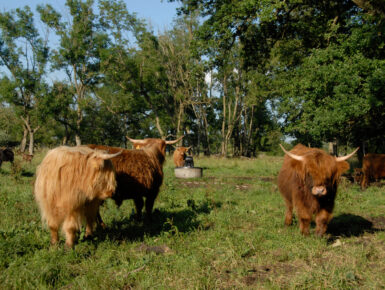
{"x": 224, "y": 230}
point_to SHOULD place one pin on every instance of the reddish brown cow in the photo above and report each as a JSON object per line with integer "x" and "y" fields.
{"x": 373, "y": 167}
{"x": 27, "y": 157}
{"x": 357, "y": 175}
{"x": 308, "y": 182}
{"x": 139, "y": 172}
{"x": 180, "y": 155}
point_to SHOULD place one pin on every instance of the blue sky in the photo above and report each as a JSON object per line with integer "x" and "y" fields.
{"x": 157, "y": 12}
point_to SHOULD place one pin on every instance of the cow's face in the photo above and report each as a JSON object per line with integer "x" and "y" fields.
{"x": 357, "y": 175}
{"x": 183, "y": 151}
{"x": 150, "y": 142}
{"x": 319, "y": 171}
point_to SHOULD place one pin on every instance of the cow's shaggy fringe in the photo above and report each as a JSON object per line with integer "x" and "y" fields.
{"x": 70, "y": 185}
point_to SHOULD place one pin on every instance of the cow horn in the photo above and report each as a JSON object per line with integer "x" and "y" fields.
{"x": 343, "y": 158}
{"x": 296, "y": 157}
{"x": 138, "y": 141}
{"x": 170, "y": 142}
{"x": 106, "y": 156}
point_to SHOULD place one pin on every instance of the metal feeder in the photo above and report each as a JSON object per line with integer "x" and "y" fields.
{"x": 188, "y": 170}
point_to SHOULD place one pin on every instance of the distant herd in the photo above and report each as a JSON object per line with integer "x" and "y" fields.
{"x": 72, "y": 182}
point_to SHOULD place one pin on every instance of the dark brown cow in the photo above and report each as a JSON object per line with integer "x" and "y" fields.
{"x": 6, "y": 154}
{"x": 373, "y": 167}
{"x": 139, "y": 172}
{"x": 308, "y": 182}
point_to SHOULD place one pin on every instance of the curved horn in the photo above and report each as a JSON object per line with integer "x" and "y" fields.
{"x": 170, "y": 142}
{"x": 343, "y": 158}
{"x": 106, "y": 156}
{"x": 138, "y": 141}
{"x": 296, "y": 157}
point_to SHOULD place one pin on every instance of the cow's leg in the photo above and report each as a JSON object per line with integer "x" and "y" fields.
{"x": 304, "y": 216}
{"x": 99, "y": 220}
{"x": 70, "y": 228}
{"x": 364, "y": 181}
{"x": 138, "y": 206}
{"x": 54, "y": 229}
{"x": 149, "y": 205}
{"x": 289, "y": 213}
{"x": 322, "y": 219}
{"x": 91, "y": 212}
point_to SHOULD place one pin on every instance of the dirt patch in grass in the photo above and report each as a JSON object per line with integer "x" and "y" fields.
{"x": 267, "y": 178}
{"x": 194, "y": 184}
{"x": 276, "y": 271}
{"x": 238, "y": 184}
{"x": 242, "y": 186}
{"x": 377, "y": 222}
{"x": 163, "y": 249}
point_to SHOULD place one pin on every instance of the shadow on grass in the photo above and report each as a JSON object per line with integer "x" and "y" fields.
{"x": 182, "y": 221}
{"x": 348, "y": 225}
{"x": 27, "y": 174}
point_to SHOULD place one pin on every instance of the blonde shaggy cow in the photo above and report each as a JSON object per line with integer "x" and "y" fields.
{"x": 71, "y": 182}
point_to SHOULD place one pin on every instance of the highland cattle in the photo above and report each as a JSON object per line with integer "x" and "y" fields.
{"x": 71, "y": 183}
{"x": 308, "y": 182}
{"x": 139, "y": 172}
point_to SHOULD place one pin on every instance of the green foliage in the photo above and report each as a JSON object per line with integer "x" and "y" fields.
{"x": 10, "y": 127}
{"x": 312, "y": 70}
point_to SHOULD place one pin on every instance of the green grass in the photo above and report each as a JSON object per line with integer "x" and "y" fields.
{"x": 224, "y": 230}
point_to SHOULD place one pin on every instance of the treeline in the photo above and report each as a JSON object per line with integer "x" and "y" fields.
{"x": 233, "y": 78}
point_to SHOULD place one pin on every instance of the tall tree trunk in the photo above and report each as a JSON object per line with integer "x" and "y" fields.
{"x": 31, "y": 133}
{"x": 157, "y": 124}
{"x": 78, "y": 141}
{"x": 179, "y": 121}
{"x": 223, "y": 142}
{"x": 65, "y": 138}
{"x": 31, "y": 142}
{"x": 23, "y": 143}
{"x": 80, "y": 92}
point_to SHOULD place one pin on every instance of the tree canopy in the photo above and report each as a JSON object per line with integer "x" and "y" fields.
{"x": 234, "y": 77}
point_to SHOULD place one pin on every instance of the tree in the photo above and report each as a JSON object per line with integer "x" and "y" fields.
{"x": 24, "y": 54}
{"x": 10, "y": 126}
{"x": 81, "y": 40}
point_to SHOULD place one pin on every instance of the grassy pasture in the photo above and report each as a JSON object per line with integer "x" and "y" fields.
{"x": 224, "y": 230}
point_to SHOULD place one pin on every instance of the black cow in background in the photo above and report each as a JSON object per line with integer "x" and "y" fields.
{"x": 6, "y": 155}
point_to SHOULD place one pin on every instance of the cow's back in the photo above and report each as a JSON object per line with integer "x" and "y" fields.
{"x": 137, "y": 172}
{"x": 374, "y": 165}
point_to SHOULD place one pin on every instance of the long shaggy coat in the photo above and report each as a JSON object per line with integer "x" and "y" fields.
{"x": 310, "y": 186}
{"x": 70, "y": 184}
{"x": 139, "y": 174}
{"x": 373, "y": 167}
{"x": 179, "y": 156}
